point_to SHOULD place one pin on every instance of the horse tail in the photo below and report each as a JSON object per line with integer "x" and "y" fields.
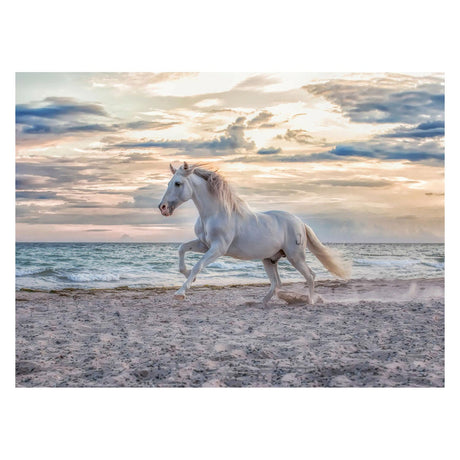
{"x": 327, "y": 256}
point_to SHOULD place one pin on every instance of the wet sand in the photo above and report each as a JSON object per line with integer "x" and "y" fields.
{"x": 381, "y": 333}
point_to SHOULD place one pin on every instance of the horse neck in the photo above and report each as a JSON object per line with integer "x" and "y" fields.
{"x": 206, "y": 203}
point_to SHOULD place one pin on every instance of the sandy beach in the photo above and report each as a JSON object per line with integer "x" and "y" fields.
{"x": 365, "y": 334}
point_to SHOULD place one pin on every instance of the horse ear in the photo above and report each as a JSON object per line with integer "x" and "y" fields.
{"x": 172, "y": 168}
{"x": 188, "y": 169}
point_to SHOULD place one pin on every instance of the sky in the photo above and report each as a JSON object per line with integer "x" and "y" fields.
{"x": 358, "y": 156}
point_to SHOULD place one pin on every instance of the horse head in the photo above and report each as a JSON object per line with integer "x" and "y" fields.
{"x": 179, "y": 189}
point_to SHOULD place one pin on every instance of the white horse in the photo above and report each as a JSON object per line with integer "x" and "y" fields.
{"x": 227, "y": 227}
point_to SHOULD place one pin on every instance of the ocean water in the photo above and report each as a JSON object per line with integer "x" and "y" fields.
{"x": 47, "y": 266}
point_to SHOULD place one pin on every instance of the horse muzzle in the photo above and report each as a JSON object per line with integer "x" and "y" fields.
{"x": 166, "y": 209}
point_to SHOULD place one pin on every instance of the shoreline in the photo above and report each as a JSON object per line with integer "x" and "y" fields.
{"x": 367, "y": 333}
{"x": 217, "y": 287}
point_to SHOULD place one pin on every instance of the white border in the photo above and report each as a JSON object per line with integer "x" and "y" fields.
{"x": 234, "y": 36}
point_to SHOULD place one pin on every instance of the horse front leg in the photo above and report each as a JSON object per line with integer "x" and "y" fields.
{"x": 214, "y": 252}
{"x": 275, "y": 283}
{"x": 194, "y": 246}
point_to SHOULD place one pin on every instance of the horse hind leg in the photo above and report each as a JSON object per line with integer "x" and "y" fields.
{"x": 272, "y": 271}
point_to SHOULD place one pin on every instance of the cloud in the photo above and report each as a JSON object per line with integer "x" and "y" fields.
{"x": 35, "y": 215}
{"x": 236, "y": 98}
{"x": 144, "y": 197}
{"x": 303, "y": 158}
{"x": 57, "y": 119}
{"x": 248, "y": 93}
{"x": 260, "y": 120}
{"x": 257, "y": 81}
{"x": 33, "y": 195}
{"x": 95, "y": 127}
{"x": 57, "y": 108}
{"x": 426, "y": 152}
{"x": 269, "y": 151}
{"x": 136, "y": 81}
{"x": 233, "y": 139}
{"x": 352, "y": 183}
{"x": 382, "y": 100}
{"x": 28, "y": 181}
{"x": 422, "y": 131}
{"x": 130, "y": 157}
{"x": 41, "y": 128}
{"x": 431, "y": 125}
{"x": 297, "y": 135}
{"x": 34, "y": 175}
{"x": 104, "y": 215}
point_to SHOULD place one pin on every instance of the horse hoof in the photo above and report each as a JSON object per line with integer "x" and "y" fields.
{"x": 179, "y": 296}
{"x": 265, "y": 301}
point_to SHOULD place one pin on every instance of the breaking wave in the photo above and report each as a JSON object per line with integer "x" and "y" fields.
{"x": 386, "y": 262}
{"x": 87, "y": 277}
{"x": 234, "y": 266}
{"x": 108, "y": 265}
{"x": 34, "y": 271}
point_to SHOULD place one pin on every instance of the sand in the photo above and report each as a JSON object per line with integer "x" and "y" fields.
{"x": 365, "y": 334}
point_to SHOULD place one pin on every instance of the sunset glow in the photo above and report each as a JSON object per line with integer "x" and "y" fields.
{"x": 359, "y": 157}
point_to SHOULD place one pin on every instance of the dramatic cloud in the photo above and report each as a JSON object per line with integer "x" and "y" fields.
{"x": 359, "y": 157}
{"x": 422, "y": 131}
{"x": 62, "y": 129}
{"x": 426, "y": 152}
{"x": 55, "y": 119}
{"x": 56, "y": 108}
{"x": 233, "y": 139}
{"x": 383, "y": 101}
{"x": 429, "y": 153}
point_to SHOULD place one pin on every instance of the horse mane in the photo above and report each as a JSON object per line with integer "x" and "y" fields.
{"x": 220, "y": 188}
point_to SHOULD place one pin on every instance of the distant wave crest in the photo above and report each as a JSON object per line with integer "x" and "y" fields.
{"x": 233, "y": 266}
{"x": 397, "y": 263}
{"x": 86, "y": 277}
{"x": 439, "y": 265}
{"x": 33, "y": 271}
{"x": 386, "y": 262}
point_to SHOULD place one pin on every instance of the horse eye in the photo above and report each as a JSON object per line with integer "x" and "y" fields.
{"x": 177, "y": 184}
